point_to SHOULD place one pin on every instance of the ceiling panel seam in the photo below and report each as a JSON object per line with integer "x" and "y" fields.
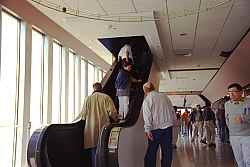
{"x": 63, "y": 3}
{"x": 196, "y": 26}
{"x": 169, "y": 26}
{"x": 222, "y": 28}
{"x": 216, "y": 44}
{"x": 101, "y": 6}
{"x": 133, "y": 4}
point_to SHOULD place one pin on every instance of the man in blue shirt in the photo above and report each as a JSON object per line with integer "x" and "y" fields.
{"x": 123, "y": 83}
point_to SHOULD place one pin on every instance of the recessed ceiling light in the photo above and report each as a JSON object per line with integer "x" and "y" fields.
{"x": 183, "y": 34}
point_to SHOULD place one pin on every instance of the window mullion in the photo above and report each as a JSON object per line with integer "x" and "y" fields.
{"x": 26, "y": 31}
{"x": 42, "y": 84}
{"x": 86, "y": 78}
{"x": 60, "y": 85}
{"x": 16, "y": 99}
{"x": 66, "y": 52}
{"x": 50, "y": 79}
{"x": 79, "y": 83}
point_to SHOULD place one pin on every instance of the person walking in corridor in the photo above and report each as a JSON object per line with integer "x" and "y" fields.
{"x": 159, "y": 118}
{"x": 237, "y": 111}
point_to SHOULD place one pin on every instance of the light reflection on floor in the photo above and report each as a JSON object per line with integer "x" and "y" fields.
{"x": 199, "y": 155}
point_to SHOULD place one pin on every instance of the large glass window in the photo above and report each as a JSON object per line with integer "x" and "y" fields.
{"x": 36, "y": 81}
{"x": 63, "y": 87}
{"x": 96, "y": 75}
{"x": 56, "y": 84}
{"x": 8, "y": 84}
{"x": 74, "y": 92}
{"x": 77, "y": 80}
{"x": 83, "y": 80}
{"x": 100, "y": 75}
{"x": 91, "y": 78}
{"x": 71, "y": 97}
{"x": 103, "y": 74}
{"x": 45, "y": 80}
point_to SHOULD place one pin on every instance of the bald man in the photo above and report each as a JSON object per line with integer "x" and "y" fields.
{"x": 159, "y": 118}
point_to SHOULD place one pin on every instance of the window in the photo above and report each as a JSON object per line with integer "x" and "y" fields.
{"x": 74, "y": 86}
{"x": 91, "y": 78}
{"x": 45, "y": 80}
{"x": 96, "y": 75}
{"x": 63, "y": 87}
{"x": 72, "y": 80}
{"x": 56, "y": 84}
{"x": 77, "y": 81}
{"x": 103, "y": 74}
{"x": 83, "y": 81}
{"x": 36, "y": 81}
{"x": 71, "y": 97}
{"x": 8, "y": 85}
{"x": 100, "y": 75}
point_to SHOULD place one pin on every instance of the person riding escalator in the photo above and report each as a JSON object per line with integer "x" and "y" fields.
{"x": 97, "y": 110}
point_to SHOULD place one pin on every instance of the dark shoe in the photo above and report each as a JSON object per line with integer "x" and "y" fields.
{"x": 212, "y": 145}
{"x": 174, "y": 146}
{"x": 203, "y": 141}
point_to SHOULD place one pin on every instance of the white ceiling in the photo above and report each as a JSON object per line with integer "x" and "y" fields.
{"x": 191, "y": 100}
{"x": 211, "y": 26}
{"x": 181, "y": 81}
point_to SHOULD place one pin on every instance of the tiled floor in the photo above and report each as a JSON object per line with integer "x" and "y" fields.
{"x": 199, "y": 155}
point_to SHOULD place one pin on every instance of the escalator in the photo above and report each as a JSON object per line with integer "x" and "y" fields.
{"x": 61, "y": 145}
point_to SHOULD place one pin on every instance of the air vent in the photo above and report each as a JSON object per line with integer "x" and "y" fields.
{"x": 183, "y": 52}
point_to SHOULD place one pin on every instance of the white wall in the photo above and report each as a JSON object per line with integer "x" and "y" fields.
{"x": 235, "y": 69}
{"x": 154, "y": 76}
{"x": 132, "y": 142}
{"x": 132, "y": 145}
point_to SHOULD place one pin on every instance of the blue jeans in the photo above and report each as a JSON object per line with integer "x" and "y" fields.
{"x": 93, "y": 157}
{"x": 162, "y": 137}
{"x": 223, "y": 132}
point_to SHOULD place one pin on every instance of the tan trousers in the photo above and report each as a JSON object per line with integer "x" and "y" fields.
{"x": 210, "y": 131}
{"x": 197, "y": 127}
{"x": 176, "y": 132}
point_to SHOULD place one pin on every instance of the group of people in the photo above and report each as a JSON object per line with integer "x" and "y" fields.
{"x": 199, "y": 124}
{"x": 158, "y": 113}
{"x": 203, "y": 120}
{"x": 161, "y": 123}
{"x": 235, "y": 119}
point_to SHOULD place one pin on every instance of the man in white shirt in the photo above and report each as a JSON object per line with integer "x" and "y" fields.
{"x": 159, "y": 118}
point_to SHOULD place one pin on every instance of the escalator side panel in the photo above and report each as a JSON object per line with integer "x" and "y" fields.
{"x": 70, "y": 150}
